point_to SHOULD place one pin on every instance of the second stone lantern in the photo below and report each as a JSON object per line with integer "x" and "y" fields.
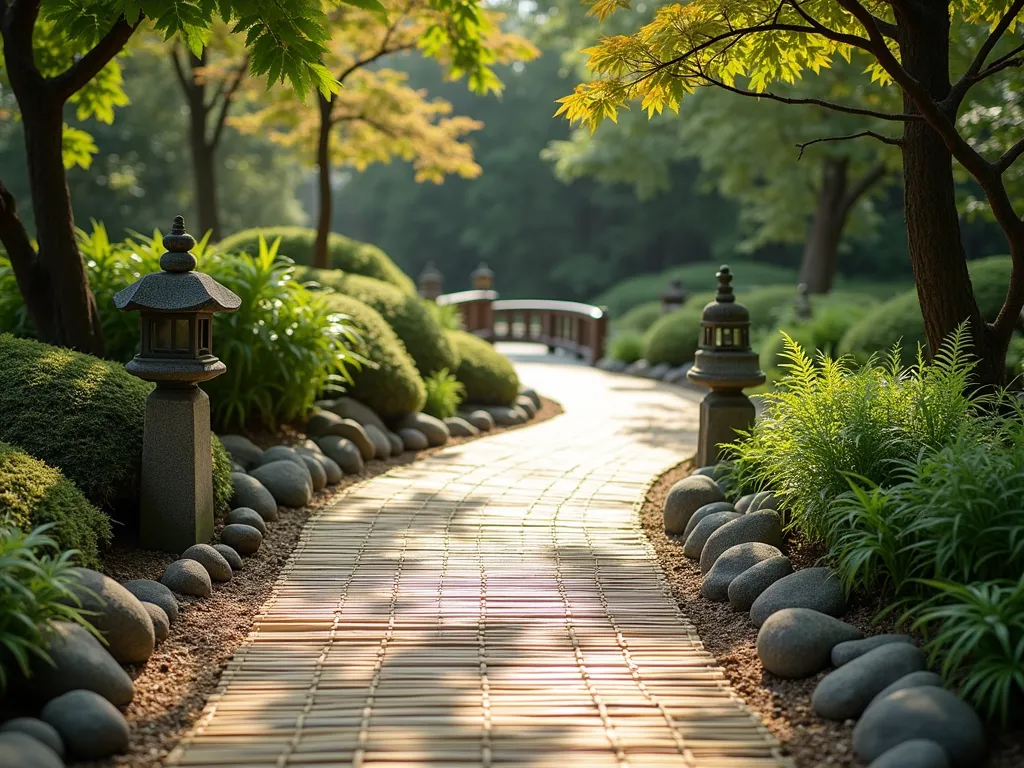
{"x": 176, "y": 309}
{"x": 725, "y": 364}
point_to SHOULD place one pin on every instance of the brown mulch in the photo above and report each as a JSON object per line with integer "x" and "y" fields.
{"x": 171, "y": 688}
{"x": 783, "y": 705}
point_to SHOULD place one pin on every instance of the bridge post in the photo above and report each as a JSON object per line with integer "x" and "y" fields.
{"x": 599, "y": 332}
{"x": 430, "y": 282}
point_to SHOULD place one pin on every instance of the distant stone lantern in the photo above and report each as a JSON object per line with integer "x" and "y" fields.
{"x": 431, "y": 281}
{"x": 482, "y": 278}
{"x": 674, "y": 296}
{"x": 176, "y": 308}
{"x": 803, "y": 302}
{"x": 725, "y": 364}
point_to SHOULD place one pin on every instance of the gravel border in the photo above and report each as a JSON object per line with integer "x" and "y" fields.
{"x": 783, "y": 705}
{"x": 171, "y": 688}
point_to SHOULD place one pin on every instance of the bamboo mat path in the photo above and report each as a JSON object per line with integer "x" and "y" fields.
{"x": 495, "y": 604}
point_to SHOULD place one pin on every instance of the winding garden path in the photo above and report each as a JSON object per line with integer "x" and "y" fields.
{"x": 493, "y": 604}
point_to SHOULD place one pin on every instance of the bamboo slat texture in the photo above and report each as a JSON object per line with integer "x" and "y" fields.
{"x": 495, "y": 604}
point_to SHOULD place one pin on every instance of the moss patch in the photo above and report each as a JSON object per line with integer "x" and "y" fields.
{"x": 33, "y": 493}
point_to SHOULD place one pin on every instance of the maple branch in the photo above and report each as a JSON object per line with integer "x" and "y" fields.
{"x": 973, "y": 73}
{"x": 897, "y": 117}
{"x": 173, "y": 54}
{"x": 869, "y": 134}
{"x": 866, "y": 182}
{"x": 1011, "y": 59}
{"x": 227, "y": 96}
{"x": 828, "y": 32}
{"x": 18, "y": 22}
{"x": 1009, "y": 156}
{"x": 88, "y": 66}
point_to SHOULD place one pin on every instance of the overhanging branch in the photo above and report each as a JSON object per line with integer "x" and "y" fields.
{"x": 86, "y": 68}
{"x": 896, "y": 142}
{"x": 227, "y": 95}
{"x": 974, "y": 72}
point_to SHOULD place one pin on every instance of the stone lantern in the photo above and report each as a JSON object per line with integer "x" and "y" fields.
{"x": 431, "y": 281}
{"x": 482, "y": 278}
{"x": 176, "y": 308}
{"x": 725, "y": 364}
{"x": 674, "y": 296}
{"x": 803, "y": 302}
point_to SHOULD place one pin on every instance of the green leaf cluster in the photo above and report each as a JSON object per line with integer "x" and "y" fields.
{"x": 444, "y": 394}
{"x": 36, "y": 588}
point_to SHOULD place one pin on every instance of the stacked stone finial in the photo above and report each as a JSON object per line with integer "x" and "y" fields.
{"x": 178, "y": 243}
{"x": 725, "y": 294}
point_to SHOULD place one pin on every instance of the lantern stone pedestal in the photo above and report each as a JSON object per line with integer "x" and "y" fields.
{"x": 177, "y": 470}
{"x": 176, "y": 309}
{"x": 725, "y": 364}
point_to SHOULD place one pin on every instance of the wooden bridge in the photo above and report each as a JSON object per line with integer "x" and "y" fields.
{"x": 580, "y": 329}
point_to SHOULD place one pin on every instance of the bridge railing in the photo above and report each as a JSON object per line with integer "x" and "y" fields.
{"x": 580, "y": 329}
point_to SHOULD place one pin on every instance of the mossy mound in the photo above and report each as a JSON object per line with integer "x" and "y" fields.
{"x": 85, "y": 417}
{"x": 418, "y": 329}
{"x": 639, "y": 318}
{"x": 393, "y": 388}
{"x": 33, "y": 493}
{"x": 344, "y": 253}
{"x": 674, "y": 337}
{"x": 899, "y": 320}
{"x": 489, "y": 376}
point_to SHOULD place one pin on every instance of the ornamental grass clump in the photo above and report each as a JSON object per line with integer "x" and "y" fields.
{"x": 444, "y": 394}
{"x": 36, "y": 582}
{"x": 830, "y": 419}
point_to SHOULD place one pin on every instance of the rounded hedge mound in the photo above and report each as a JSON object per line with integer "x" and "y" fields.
{"x": 674, "y": 337}
{"x": 489, "y": 376}
{"x": 639, "y": 318}
{"x": 84, "y": 416}
{"x": 418, "y": 329}
{"x": 900, "y": 317}
{"x": 343, "y": 252}
{"x": 394, "y": 388}
{"x": 32, "y": 493}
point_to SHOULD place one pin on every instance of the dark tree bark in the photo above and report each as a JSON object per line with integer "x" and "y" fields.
{"x": 836, "y": 198}
{"x": 52, "y": 277}
{"x": 323, "y": 162}
{"x": 933, "y": 223}
{"x": 208, "y": 115}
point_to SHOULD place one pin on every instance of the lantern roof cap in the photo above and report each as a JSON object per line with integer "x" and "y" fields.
{"x": 177, "y": 288}
{"x": 724, "y": 308}
{"x": 483, "y": 271}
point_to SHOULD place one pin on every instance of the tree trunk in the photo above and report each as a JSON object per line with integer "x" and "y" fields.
{"x": 64, "y": 312}
{"x": 821, "y": 251}
{"x": 204, "y": 172}
{"x": 323, "y": 162}
{"x": 933, "y": 224}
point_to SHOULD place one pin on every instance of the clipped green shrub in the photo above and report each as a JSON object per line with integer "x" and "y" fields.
{"x": 639, "y": 318}
{"x": 698, "y": 277}
{"x": 223, "y": 488}
{"x": 344, "y": 253}
{"x": 390, "y": 383}
{"x": 444, "y": 394}
{"x": 900, "y": 317}
{"x": 36, "y": 589}
{"x": 34, "y": 494}
{"x": 83, "y": 416}
{"x": 674, "y": 337}
{"x": 627, "y": 346}
{"x": 423, "y": 337}
{"x": 489, "y": 377}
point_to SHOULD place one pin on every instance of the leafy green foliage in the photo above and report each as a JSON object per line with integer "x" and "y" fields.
{"x": 627, "y": 346}
{"x": 976, "y": 632}
{"x": 223, "y": 488}
{"x": 639, "y": 318}
{"x": 389, "y": 383}
{"x": 424, "y": 339}
{"x": 444, "y": 394}
{"x": 448, "y": 316}
{"x": 36, "y": 582}
{"x": 344, "y": 253}
{"x": 900, "y": 320}
{"x": 828, "y": 420}
{"x": 81, "y": 415}
{"x": 674, "y": 337}
{"x": 34, "y": 494}
{"x": 489, "y": 377}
